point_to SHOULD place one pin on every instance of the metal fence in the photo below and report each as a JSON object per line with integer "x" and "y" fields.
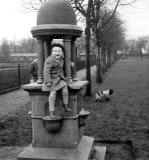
{"x": 13, "y": 78}
{"x": 15, "y": 75}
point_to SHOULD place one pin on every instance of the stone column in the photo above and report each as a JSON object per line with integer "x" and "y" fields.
{"x": 73, "y": 57}
{"x": 67, "y": 44}
{"x": 41, "y": 59}
{"x": 47, "y": 47}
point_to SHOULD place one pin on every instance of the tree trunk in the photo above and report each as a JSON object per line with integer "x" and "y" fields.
{"x": 98, "y": 66}
{"x": 87, "y": 46}
{"x": 106, "y": 68}
{"x": 109, "y": 60}
{"x": 88, "y": 72}
{"x": 103, "y": 61}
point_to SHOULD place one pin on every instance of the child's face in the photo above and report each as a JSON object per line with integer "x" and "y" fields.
{"x": 57, "y": 52}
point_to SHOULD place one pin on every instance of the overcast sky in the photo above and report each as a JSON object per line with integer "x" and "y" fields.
{"x": 15, "y": 24}
{"x": 136, "y": 19}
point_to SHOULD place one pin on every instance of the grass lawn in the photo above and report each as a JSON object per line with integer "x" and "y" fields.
{"x": 120, "y": 124}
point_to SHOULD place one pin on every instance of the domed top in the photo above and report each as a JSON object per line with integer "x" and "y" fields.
{"x": 56, "y": 12}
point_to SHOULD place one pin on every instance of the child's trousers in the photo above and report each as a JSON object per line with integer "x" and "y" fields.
{"x": 52, "y": 98}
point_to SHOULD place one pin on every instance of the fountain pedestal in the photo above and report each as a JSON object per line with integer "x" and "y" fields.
{"x": 61, "y": 138}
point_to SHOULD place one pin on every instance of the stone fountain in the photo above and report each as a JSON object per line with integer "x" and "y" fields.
{"x": 60, "y": 139}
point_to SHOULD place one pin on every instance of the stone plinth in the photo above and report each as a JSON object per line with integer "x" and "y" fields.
{"x": 66, "y": 143}
{"x": 82, "y": 152}
{"x": 70, "y": 133}
{"x": 99, "y": 152}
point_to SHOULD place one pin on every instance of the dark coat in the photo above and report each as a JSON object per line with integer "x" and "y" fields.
{"x": 34, "y": 69}
{"x": 54, "y": 73}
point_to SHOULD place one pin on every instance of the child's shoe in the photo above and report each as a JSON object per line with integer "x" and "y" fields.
{"x": 67, "y": 108}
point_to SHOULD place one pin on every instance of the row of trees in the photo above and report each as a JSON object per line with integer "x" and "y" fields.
{"x": 105, "y": 28}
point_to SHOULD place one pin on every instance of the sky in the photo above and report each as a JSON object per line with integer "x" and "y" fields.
{"x": 136, "y": 19}
{"x": 16, "y": 24}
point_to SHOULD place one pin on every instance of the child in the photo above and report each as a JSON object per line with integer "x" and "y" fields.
{"x": 54, "y": 77}
{"x": 34, "y": 70}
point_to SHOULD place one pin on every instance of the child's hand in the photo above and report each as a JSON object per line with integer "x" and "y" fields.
{"x": 32, "y": 81}
{"x": 48, "y": 84}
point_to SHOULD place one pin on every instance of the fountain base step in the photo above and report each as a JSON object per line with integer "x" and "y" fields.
{"x": 82, "y": 152}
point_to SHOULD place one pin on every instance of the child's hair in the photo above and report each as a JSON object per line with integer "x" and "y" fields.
{"x": 57, "y": 45}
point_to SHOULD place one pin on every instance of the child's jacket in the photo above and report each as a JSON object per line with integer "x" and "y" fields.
{"x": 53, "y": 72}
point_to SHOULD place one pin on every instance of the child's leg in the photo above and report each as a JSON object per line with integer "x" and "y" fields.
{"x": 52, "y": 98}
{"x": 65, "y": 94}
{"x": 65, "y": 98}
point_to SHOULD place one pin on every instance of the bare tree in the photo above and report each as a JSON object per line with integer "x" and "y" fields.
{"x": 28, "y": 45}
{"x": 126, "y": 47}
{"x": 141, "y": 44}
{"x": 5, "y": 49}
{"x": 132, "y": 44}
{"x": 112, "y": 38}
{"x": 99, "y": 22}
{"x": 87, "y": 42}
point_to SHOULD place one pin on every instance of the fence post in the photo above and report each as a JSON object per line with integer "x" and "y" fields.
{"x": 19, "y": 77}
